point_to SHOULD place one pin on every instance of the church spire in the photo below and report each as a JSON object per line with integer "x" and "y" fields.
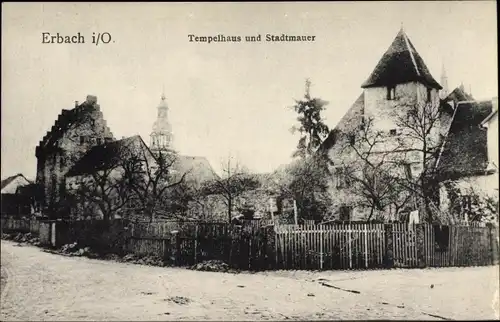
{"x": 444, "y": 82}
{"x": 161, "y": 136}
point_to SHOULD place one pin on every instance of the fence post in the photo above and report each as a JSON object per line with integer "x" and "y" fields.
{"x": 321, "y": 247}
{"x": 196, "y": 244}
{"x": 420, "y": 245}
{"x": 175, "y": 244}
{"x": 53, "y": 238}
{"x": 493, "y": 243}
{"x": 389, "y": 255}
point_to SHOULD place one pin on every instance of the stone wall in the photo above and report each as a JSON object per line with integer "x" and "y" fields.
{"x": 214, "y": 207}
{"x": 85, "y": 129}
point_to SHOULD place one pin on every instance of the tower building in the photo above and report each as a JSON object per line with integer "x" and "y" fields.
{"x": 161, "y": 136}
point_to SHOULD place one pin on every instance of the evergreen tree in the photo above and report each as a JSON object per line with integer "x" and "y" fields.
{"x": 311, "y": 126}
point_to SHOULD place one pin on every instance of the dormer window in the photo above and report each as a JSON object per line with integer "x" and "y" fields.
{"x": 391, "y": 93}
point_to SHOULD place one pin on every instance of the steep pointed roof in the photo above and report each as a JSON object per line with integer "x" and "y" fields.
{"x": 401, "y": 63}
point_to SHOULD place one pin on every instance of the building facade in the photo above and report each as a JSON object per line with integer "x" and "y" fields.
{"x": 73, "y": 134}
{"x": 396, "y": 98}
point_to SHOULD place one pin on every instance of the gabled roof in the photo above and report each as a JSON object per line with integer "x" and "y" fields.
{"x": 197, "y": 169}
{"x": 401, "y": 63}
{"x": 106, "y": 156}
{"x": 7, "y": 181}
{"x": 65, "y": 120}
{"x": 349, "y": 122}
{"x": 465, "y": 149}
{"x": 458, "y": 95}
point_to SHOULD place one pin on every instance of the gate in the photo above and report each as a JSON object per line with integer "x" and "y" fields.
{"x": 404, "y": 244}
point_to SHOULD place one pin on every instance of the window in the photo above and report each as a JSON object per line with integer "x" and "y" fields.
{"x": 352, "y": 139}
{"x": 345, "y": 213}
{"x": 409, "y": 117}
{"x": 392, "y": 132}
{"x": 429, "y": 96}
{"x": 341, "y": 178}
{"x": 82, "y": 139}
{"x": 363, "y": 121}
{"x": 279, "y": 204}
{"x": 99, "y": 141}
{"x": 391, "y": 93}
{"x": 407, "y": 170}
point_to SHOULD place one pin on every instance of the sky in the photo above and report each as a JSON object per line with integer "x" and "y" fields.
{"x": 225, "y": 99}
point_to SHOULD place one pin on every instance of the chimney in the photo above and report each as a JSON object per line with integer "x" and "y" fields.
{"x": 494, "y": 103}
{"x": 76, "y": 103}
{"x": 91, "y": 99}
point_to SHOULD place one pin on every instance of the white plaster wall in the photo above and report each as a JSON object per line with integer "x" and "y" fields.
{"x": 385, "y": 114}
{"x": 492, "y": 137}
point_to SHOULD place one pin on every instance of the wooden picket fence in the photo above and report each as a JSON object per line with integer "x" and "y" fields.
{"x": 20, "y": 225}
{"x": 335, "y": 246}
{"x": 282, "y": 246}
{"x": 188, "y": 243}
{"x": 366, "y": 246}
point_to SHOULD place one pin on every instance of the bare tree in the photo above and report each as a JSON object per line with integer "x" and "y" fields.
{"x": 234, "y": 181}
{"x": 420, "y": 142}
{"x": 152, "y": 180}
{"x": 373, "y": 175}
{"x": 105, "y": 189}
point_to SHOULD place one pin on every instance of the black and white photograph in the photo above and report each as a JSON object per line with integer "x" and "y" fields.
{"x": 249, "y": 161}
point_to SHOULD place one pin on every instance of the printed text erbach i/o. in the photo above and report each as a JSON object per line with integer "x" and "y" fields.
{"x": 97, "y": 38}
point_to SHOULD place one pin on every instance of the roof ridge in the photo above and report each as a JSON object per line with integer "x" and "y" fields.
{"x": 411, "y": 54}
{"x": 401, "y": 63}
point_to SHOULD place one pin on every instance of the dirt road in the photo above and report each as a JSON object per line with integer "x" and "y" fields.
{"x": 43, "y": 286}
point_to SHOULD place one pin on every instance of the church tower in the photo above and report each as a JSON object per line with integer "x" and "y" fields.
{"x": 444, "y": 82}
{"x": 161, "y": 136}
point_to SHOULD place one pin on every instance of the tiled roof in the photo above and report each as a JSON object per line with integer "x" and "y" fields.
{"x": 350, "y": 121}
{"x": 465, "y": 150}
{"x": 108, "y": 155}
{"x": 401, "y": 63}
{"x": 104, "y": 156}
{"x": 197, "y": 169}
{"x": 458, "y": 95}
